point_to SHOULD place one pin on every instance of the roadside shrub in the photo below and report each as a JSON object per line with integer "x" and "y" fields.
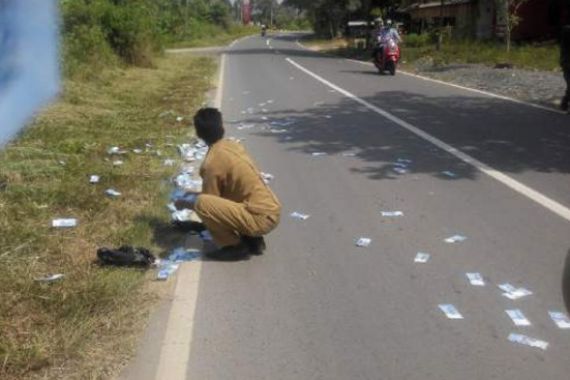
{"x": 417, "y": 40}
{"x": 131, "y": 32}
{"x": 86, "y": 51}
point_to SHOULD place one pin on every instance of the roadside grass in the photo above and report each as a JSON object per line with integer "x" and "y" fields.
{"x": 83, "y": 326}
{"x": 543, "y": 56}
{"x": 215, "y": 37}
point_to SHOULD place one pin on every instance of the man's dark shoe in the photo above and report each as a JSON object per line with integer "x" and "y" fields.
{"x": 230, "y": 253}
{"x": 255, "y": 244}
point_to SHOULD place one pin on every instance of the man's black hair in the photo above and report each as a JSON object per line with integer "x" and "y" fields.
{"x": 209, "y": 125}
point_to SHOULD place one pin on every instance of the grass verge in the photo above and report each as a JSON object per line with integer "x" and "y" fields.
{"x": 218, "y": 37}
{"x": 83, "y": 326}
{"x": 531, "y": 57}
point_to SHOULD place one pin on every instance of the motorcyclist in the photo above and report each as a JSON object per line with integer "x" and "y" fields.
{"x": 385, "y": 33}
{"x": 263, "y": 29}
{"x": 389, "y": 33}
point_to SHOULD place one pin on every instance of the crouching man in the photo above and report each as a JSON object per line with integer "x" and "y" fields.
{"x": 235, "y": 205}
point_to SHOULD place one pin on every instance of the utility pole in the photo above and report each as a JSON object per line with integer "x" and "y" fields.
{"x": 271, "y": 16}
{"x": 440, "y": 33}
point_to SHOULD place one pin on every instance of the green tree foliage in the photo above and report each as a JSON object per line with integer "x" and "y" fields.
{"x": 101, "y": 32}
{"x": 329, "y": 17}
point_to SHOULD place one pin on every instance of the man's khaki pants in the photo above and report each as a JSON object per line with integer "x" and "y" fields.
{"x": 227, "y": 220}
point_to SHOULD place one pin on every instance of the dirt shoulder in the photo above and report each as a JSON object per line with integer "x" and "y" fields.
{"x": 84, "y": 325}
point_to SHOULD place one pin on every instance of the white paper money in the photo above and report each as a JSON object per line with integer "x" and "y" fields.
{"x": 182, "y": 215}
{"x": 94, "y": 179}
{"x": 400, "y": 170}
{"x": 300, "y": 216}
{"x": 112, "y": 193}
{"x": 64, "y": 223}
{"x": 450, "y": 311}
{"x": 455, "y": 239}
{"x": 363, "y": 242}
{"x": 512, "y": 292}
{"x": 422, "y": 257}
{"x": 51, "y": 278}
{"x": 528, "y": 341}
{"x": 518, "y": 317}
{"x": 475, "y": 279}
{"x": 392, "y": 213}
{"x": 116, "y": 150}
{"x": 267, "y": 177}
{"x": 561, "y": 319}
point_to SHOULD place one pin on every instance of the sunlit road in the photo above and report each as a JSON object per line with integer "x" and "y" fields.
{"x": 316, "y": 306}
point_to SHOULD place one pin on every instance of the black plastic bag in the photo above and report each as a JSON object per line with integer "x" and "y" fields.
{"x": 126, "y": 256}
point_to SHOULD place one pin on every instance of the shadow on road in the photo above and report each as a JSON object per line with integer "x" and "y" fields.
{"x": 507, "y": 136}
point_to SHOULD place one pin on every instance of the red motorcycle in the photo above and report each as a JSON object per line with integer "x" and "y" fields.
{"x": 387, "y": 58}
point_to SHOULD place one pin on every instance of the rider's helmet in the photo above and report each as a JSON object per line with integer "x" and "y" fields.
{"x": 389, "y": 23}
{"x": 379, "y": 22}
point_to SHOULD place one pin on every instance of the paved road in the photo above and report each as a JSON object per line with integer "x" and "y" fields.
{"x": 318, "y": 307}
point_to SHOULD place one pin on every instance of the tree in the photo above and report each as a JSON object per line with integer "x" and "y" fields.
{"x": 510, "y": 9}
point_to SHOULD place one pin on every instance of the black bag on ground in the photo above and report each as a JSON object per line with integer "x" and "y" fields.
{"x": 126, "y": 256}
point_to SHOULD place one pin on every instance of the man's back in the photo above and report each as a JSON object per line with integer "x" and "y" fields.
{"x": 229, "y": 172}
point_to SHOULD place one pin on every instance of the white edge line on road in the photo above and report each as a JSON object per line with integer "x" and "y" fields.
{"x": 175, "y": 348}
{"x": 220, "y": 87}
{"x": 482, "y": 92}
{"x": 519, "y": 187}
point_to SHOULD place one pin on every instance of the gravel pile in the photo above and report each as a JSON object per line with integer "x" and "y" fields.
{"x": 541, "y": 87}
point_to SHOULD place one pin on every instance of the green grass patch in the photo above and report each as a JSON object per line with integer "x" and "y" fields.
{"x": 419, "y": 49}
{"x": 82, "y": 326}
{"x": 533, "y": 57}
{"x": 212, "y": 35}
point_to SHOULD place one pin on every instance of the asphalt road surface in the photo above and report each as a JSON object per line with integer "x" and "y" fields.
{"x": 316, "y": 306}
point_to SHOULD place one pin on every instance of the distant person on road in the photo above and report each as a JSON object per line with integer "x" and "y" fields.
{"x": 565, "y": 64}
{"x": 235, "y": 205}
{"x": 390, "y": 33}
{"x": 383, "y": 34}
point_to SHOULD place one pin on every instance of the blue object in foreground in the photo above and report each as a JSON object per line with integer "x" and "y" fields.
{"x": 182, "y": 254}
{"x": 170, "y": 266}
{"x": 29, "y": 68}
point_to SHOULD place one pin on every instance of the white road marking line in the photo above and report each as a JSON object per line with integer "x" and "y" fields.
{"x": 239, "y": 40}
{"x": 519, "y": 187}
{"x": 220, "y": 88}
{"x": 175, "y": 348}
{"x": 482, "y": 92}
